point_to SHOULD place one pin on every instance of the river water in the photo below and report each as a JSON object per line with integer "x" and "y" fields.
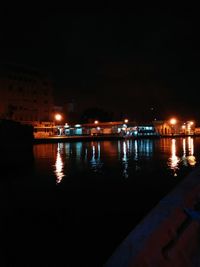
{"x": 73, "y": 203}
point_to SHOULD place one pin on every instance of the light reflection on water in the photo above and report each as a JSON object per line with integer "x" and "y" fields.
{"x": 127, "y": 156}
{"x": 95, "y": 161}
{"x": 187, "y": 148}
{"x": 191, "y": 158}
{"x": 173, "y": 160}
{"x": 59, "y": 164}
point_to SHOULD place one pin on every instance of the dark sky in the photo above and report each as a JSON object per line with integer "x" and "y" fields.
{"x": 125, "y": 61}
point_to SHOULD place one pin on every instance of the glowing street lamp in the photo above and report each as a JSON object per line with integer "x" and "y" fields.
{"x": 183, "y": 128}
{"x": 189, "y": 127}
{"x": 173, "y": 122}
{"x": 58, "y": 117}
{"x": 126, "y": 120}
{"x": 96, "y": 122}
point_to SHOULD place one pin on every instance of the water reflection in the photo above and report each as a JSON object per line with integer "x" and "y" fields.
{"x": 191, "y": 158}
{"x": 188, "y": 154}
{"x": 127, "y": 156}
{"x": 173, "y": 160}
{"x": 184, "y": 158}
{"x": 145, "y": 147}
{"x": 59, "y": 165}
{"x": 95, "y": 161}
{"x": 125, "y": 159}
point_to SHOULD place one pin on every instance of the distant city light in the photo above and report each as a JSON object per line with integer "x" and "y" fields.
{"x": 96, "y": 122}
{"x": 126, "y": 120}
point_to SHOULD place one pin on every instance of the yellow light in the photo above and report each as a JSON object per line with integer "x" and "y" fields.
{"x": 191, "y": 122}
{"x": 126, "y": 120}
{"x": 173, "y": 121}
{"x": 58, "y": 117}
{"x": 183, "y": 126}
{"x": 96, "y": 122}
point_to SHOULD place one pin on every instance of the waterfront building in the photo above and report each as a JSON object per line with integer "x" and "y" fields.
{"x": 25, "y": 95}
{"x": 162, "y": 127}
{"x": 174, "y": 127}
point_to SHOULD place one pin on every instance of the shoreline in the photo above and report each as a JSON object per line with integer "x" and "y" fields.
{"x": 56, "y": 139}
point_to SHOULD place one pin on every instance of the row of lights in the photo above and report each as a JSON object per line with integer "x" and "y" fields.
{"x": 173, "y": 121}
{"x": 58, "y": 117}
{"x": 96, "y": 122}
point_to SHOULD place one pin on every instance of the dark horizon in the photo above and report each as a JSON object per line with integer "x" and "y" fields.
{"x": 126, "y": 61}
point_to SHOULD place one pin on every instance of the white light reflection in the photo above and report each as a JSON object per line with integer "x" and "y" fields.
{"x": 125, "y": 160}
{"x": 78, "y": 150}
{"x": 136, "y": 149}
{"x": 191, "y": 158}
{"x": 184, "y": 158}
{"x": 173, "y": 160}
{"x": 96, "y": 158}
{"x": 59, "y": 165}
{"x": 119, "y": 149}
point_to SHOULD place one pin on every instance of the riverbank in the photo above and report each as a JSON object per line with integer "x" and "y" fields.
{"x": 56, "y": 139}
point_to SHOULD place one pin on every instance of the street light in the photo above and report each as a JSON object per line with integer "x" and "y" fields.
{"x": 183, "y": 128}
{"x": 96, "y": 122}
{"x": 126, "y": 120}
{"x": 173, "y": 122}
{"x": 189, "y": 127}
{"x": 58, "y": 117}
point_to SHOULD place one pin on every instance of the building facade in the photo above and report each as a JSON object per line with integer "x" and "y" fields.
{"x": 25, "y": 95}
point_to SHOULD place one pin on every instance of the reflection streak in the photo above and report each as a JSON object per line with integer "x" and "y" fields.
{"x": 125, "y": 160}
{"x": 173, "y": 160}
{"x": 191, "y": 158}
{"x": 59, "y": 165}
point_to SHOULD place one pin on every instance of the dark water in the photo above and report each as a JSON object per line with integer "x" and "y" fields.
{"x": 72, "y": 204}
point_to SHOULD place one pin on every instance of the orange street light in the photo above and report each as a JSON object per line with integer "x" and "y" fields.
{"x": 173, "y": 121}
{"x": 96, "y": 122}
{"x": 126, "y": 120}
{"x": 58, "y": 117}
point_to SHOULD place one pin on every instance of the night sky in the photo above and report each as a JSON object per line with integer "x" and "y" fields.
{"x": 125, "y": 61}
